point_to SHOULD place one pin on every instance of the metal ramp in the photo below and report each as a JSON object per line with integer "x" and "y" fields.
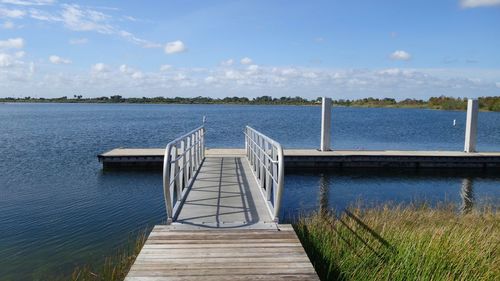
{"x": 237, "y": 190}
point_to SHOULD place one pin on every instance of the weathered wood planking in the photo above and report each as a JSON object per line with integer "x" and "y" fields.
{"x": 222, "y": 254}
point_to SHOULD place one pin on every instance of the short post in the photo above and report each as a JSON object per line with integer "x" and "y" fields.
{"x": 326, "y": 123}
{"x": 471, "y": 125}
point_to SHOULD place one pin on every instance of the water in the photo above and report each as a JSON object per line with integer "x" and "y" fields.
{"x": 58, "y": 208}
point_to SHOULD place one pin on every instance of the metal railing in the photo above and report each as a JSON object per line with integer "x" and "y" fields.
{"x": 181, "y": 163}
{"x": 266, "y": 160}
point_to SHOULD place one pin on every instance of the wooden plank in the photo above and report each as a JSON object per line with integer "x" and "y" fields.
{"x": 203, "y": 246}
{"x": 256, "y": 277}
{"x": 210, "y": 264}
{"x": 207, "y": 255}
{"x": 237, "y": 254}
{"x": 225, "y": 237}
{"x": 224, "y": 250}
{"x": 291, "y": 259}
{"x": 221, "y": 271}
{"x": 220, "y": 241}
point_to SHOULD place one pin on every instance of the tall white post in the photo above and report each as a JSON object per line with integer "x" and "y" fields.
{"x": 326, "y": 123}
{"x": 471, "y": 125}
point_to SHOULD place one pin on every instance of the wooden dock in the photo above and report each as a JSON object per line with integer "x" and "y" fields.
{"x": 304, "y": 159}
{"x": 238, "y": 254}
{"x": 224, "y": 231}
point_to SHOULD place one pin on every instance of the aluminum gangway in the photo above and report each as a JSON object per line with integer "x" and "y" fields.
{"x": 222, "y": 216}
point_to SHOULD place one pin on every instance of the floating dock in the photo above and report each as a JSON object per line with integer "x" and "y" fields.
{"x": 308, "y": 159}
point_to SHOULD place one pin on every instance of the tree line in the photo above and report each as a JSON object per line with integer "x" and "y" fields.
{"x": 444, "y": 103}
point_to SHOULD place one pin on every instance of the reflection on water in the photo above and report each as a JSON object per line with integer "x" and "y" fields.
{"x": 324, "y": 186}
{"x": 467, "y": 194}
{"x": 337, "y": 191}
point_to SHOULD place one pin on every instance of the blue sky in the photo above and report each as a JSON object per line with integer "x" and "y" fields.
{"x": 342, "y": 49}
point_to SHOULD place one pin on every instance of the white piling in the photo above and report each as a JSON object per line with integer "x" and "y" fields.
{"x": 326, "y": 123}
{"x": 471, "y": 125}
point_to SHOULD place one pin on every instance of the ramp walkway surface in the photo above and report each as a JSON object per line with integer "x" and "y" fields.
{"x": 225, "y": 194}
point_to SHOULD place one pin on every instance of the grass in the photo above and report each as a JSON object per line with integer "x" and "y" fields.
{"x": 413, "y": 242}
{"x": 390, "y": 242}
{"x": 114, "y": 268}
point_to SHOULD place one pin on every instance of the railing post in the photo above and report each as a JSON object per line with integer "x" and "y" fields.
{"x": 262, "y": 163}
{"x": 202, "y": 142}
{"x": 471, "y": 125}
{"x": 166, "y": 183}
{"x": 197, "y": 150}
{"x": 281, "y": 178}
{"x": 245, "y": 133}
{"x": 178, "y": 172}
{"x": 192, "y": 156}
{"x": 326, "y": 124}
{"x": 187, "y": 163}
{"x": 269, "y": 174}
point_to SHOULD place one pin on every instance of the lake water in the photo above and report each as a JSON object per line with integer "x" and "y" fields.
{"x": 59, "y": 209}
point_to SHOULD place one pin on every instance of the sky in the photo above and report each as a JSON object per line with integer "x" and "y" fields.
{"x": 341, "y": 49}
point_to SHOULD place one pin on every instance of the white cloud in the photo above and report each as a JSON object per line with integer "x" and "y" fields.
{"x": 497, "y": 84}
{"x": 29, "y": 2}
{"x": 253, "y": 69}
{"x": 77, "y": 18}
{"x": 129, "y": 18}
{"x": 125, "y": 69}
{"x": 478, "y": 3}
{"x": 8, "y": 25}
{"x": 12, "y": 43}
{"x": 78, "y": 41}
{"x": 246, "y": 61}
{"x": 400, "y": 55}
{"x": 132, "y": 38}
{"x": 44, "y": 16}
{"x": 210, "y": 79}
{"x": 137, "y": 75}
{"x": 31, "y": 68}
{"x": 175, "y": 47}
{"x": 19, "y": 54}
{"x": 228, "y": 62}
{"x": 179, "y": 77}
{"x": 100, "y": 68}
{"x": 81, "y": 19}
{"x": 11, "y": 13}
{"x": 58, "y": 60}
{"x": 6, "y": 60}
{"x": 165, "y": 67}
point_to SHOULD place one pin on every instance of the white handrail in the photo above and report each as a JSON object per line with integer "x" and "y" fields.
{"x": 265, "y": 156}
{"x": 181, "y": 163}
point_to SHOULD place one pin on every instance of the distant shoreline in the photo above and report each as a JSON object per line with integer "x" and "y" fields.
{"x": 436, "y": 103}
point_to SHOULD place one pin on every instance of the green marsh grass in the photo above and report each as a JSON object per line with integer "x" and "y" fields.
{"x": 114, "y": 268}
{"x": 390, "y": 242}
{"x": 413, "y": 242}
